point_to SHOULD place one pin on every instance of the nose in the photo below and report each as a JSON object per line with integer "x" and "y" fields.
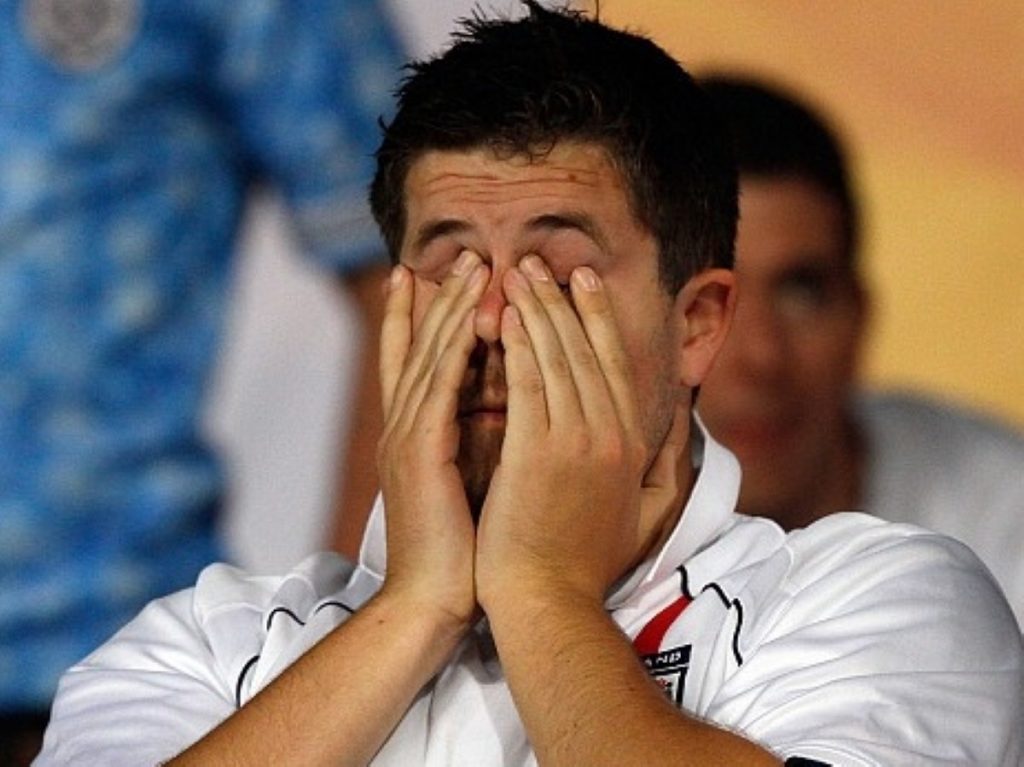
{"x": 488, "y": 311}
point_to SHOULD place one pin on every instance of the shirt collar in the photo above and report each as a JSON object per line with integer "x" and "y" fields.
{"x": 707, "y": 512}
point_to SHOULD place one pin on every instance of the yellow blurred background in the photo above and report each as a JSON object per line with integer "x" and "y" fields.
{"x": 929, "y": 97}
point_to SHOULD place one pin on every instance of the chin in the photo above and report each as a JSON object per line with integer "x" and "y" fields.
{"x": 476, "y": 494}
{"x": 476, "y": 479}
{"x": 479, "y": 454}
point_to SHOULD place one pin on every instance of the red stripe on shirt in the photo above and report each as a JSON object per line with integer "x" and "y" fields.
{"x": 649, "y": 640}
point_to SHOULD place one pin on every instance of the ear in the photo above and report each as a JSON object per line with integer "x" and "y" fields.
{"x": 702, "y": 313}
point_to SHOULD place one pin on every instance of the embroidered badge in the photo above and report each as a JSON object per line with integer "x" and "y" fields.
{"x": 668, "y": 668}
{"x": 80, "y": 35}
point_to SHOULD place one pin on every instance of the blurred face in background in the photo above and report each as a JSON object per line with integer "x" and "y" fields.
{"x": 778, "y": 393}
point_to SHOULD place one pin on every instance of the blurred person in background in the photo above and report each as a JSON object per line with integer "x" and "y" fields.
{"x": 131, "y": 133}
{"x": 784, "y": 394}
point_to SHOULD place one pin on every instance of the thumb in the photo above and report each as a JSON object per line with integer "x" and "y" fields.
{"x": 666, "y": 470}
{"x": 664, "y": 480}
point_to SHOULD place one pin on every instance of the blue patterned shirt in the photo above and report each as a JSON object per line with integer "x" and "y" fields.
{"x": 130, "y": 132}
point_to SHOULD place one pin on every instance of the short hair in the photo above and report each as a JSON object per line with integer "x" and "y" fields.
{"x": 777, "y": 134}
{"x": 519, "y": 86}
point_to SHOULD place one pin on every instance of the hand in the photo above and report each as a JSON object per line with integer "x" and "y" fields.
{"x": 430, "y": 534}
{"x": 567, "y": 509}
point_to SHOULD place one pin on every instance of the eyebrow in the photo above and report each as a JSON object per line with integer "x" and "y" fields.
{"x": 436, "y": 229}
{"x": 572, "y": 220}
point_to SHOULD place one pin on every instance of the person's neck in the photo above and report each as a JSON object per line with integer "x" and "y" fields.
{"x": 839, "y": 486}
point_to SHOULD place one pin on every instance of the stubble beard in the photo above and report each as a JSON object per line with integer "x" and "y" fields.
{"x": 480, "y": 439}
{"x": 479, "y": 455}
{"x": 480, "y": 444}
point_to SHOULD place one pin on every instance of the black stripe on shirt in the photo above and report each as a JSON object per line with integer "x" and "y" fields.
{"x": 732, "y": 604}
{"x": 241, "y": 678}
{"x": 334, "y": 603}
{"x": 684, "y": 582}
{"x": 286, "y": 611}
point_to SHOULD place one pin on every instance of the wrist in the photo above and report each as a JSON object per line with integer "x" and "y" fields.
{"x": 442, "y": 619}
{"x": 525, "y": 599}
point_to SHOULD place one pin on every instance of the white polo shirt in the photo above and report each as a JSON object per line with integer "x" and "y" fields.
{"x": 852, "y": 642}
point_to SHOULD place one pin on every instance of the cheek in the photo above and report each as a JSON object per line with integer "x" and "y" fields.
{"x": 828, "y": 352}
{"x": 826, "y": 370}
{"x": 654, "y": 375}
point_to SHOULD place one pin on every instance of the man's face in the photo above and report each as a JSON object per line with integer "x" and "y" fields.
{"x": 778, "y": 392}
{"x": 570, "y": 207}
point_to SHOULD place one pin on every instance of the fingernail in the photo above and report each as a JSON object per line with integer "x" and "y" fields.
{"x": 586, "y": 278}
{"x": 396, "y": 277}
{"x": 535, "y": 269}
{"x": 479, "y": 274}
{"x": 511, "y": 315}
{"x": 515, "y": 276}
{"x": 464, "y": 262}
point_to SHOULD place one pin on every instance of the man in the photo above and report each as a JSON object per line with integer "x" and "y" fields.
{"x": 558, "y": 529}
{"x": 782, "y": 395}
{"x": 132, "y": 133}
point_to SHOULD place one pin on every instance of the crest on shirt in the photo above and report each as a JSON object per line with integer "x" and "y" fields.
{"x": 80, "y": 35}
{"x": 668, "y": 668}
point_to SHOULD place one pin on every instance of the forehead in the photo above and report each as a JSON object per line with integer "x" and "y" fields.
{"x": 787, "y": 221}
{"x": 478, "y": 184}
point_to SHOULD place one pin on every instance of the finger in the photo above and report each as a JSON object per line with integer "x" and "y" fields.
{"x": 419, "y": 379}
{"x": 598, "y": 319}
{"x": 452, "y": 289}
{"x": 459, "y": 293}
{"x": 527, "y": 407}
{"x": 666, "y": 469}
{"x": 663, "y": 485}
{"x": 594, "y": 397}
{"x": 440, "y": 397}
{"x": 560, "y": 393}
{"x": 395, "y": 333}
